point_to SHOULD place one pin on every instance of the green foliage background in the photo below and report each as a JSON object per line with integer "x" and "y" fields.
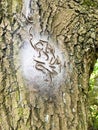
{"x": 93, "y": 98}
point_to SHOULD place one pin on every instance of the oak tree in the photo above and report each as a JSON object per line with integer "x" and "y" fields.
{"x": 66, "y": 37}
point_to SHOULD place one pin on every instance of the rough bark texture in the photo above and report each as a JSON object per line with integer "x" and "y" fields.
{"x": 72, "y": 25}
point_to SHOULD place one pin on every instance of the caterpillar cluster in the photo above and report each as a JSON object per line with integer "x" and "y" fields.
{"x": 42, "y": 64}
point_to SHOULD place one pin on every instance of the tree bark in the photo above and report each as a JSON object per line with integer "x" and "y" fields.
{"x": 73, "y": 26}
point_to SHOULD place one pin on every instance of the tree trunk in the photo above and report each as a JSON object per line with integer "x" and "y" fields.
{"x": 72, "y": 28}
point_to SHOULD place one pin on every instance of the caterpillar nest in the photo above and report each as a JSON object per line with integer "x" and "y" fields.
{"x": 42, "y": 64}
